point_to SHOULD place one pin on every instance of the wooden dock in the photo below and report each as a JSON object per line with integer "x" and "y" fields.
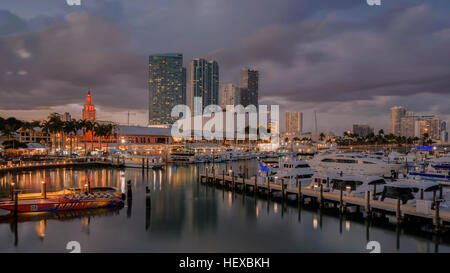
{"x": 27, "y": 166}
{"x": 321, "y": 195}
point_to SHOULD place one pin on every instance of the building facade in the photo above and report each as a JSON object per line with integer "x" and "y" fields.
{"x": 293, "y": 122}
{"x": 249, "y": 87}
{"x": 89, "y": 108}
{"x": 204, "y": 81}
{"x": 362, "y": 130}
{"x": 397, "y": 113}
{"x": 229, "y": 95}
{"x": 167, "y": 87}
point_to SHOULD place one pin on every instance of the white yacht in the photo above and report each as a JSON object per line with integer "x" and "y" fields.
{"x": 352, "y": 185}
{"x": 291, "y": 170}
{"x": 353, "y": 163}
{"x": 182, "y": 157}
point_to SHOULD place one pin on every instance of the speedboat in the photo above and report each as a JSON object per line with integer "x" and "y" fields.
{"x": 69, "y": 199}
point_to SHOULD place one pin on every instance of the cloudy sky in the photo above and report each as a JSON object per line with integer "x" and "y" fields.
{"x": 346, "y": 60}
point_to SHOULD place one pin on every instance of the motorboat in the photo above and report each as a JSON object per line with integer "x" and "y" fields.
{"x": 68, "y": 199}
{"x": 353, "y": 163}
{"x": 436, "y": 170}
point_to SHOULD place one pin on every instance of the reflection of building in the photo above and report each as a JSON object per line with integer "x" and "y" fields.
{"x": 362, "y": 130}
{"x": 143, "y": 135}
{"x": 229, "y": 95}
{"x": 293, "y": 122}
{"x": 249, "y": 85}
{"x": 397, "y": 112}
{"x": 89, "y": 108}
{"x": 167, "y": 87}
{"x": 204, "y": 81}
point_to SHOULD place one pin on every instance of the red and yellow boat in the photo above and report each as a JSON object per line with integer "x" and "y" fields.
{"x": 69, "y": 199}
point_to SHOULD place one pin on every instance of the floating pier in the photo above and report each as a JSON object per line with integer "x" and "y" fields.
{"x": 27, "y": 166}
{"x": 368, "y": 203}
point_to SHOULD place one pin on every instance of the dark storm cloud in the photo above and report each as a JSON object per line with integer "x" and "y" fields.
{"x": 57, "y": 64}
{"x": 309, "y": 53}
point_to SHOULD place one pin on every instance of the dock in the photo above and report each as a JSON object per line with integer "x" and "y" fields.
{"x": 341, "y": 200}
{"x": 63, "y": 163}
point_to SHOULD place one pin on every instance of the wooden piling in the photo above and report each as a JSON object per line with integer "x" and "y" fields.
{"x": 398, "y": 212}
{"x": 296, "y": 181}
{"x": 12, "y": 191}
{"x": 341, "y": 199}
{"x": 129, "y": 191}
{"x": 245, "y": 184}
{"x": 374, "y": 195}
{"x": 43, "y": 190}
{"x": 437, "y": 220}
{"x": 283, "y": 191}
{"x": 421, "y": 194}
{"x": 232, "y": 179}
{"x": 148, "y": 201}
{"x": 255, "y": 188}
{"x": 434, "y": 199}
{"x": 368, "y": 203}
{"x": 16, "y": 203}
{"x": 223, "y": 178}
{"x": 321, "y": 195}
{"x": 440, "y": 191}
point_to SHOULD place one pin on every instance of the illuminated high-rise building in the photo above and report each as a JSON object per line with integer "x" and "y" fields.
{"x": 249, "y": 85}
{"x": 89, "y": 108}
{"x": 293, "y": 122}
{"x": 167, "y": 87}
{"x": 204, "y": 81}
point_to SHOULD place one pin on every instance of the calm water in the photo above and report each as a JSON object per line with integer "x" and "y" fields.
{"x": 188, "y": 217}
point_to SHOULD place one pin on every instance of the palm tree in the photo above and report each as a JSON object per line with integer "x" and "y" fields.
{"x": 53, "y": 126}
{"x": 70, "y": 128}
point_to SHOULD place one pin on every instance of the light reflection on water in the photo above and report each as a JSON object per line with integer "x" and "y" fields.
{"x": 188, "y": 217}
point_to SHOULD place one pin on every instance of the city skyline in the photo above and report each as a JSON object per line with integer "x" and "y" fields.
{"x": 296, "y": 49}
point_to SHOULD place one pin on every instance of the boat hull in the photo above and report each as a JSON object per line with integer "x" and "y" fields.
{"x": 60, "y": 204}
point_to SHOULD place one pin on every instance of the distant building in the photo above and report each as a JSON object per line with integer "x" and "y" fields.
{"x": 89, "y": 108}
{"x": 249, "y": 86}
{"x": 204, "y": 81}
{"x": 167, "y": 87}
{"x": 229, "y": 95}
{"x": 67, "y": 117}
{"x": 143, "y": 135}
{"x": 293, "y": 122}
{"x": 397, "y": 113}
{"x": 362, "y": 130}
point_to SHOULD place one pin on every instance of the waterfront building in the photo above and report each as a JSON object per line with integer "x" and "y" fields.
{"x": 229, "y": 95}
{"x": 143, "y": 135}
{"x": 397, "y": 113}
{"x": 89, "y": 108}
{"x": 362, "y": 130}
{"x": 204, "y": 81}
{"x": 249, "y": 87}
{"x": 167, "y": 87}
{"x": 293, "y": 122}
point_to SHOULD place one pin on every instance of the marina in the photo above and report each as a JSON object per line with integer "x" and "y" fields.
{"x": 185, "y": 207}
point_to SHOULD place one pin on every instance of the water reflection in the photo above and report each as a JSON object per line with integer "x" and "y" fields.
{"x": 179, "y": 214}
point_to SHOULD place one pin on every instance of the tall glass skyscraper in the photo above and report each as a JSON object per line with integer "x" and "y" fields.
{"x": 167, "y": 87}
{"x": 249, "y": 84}
{"x": 204, "y": 81}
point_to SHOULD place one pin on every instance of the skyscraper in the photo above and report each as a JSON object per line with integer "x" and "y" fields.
{"x": 167, "y": 87}
{"x": 293, "y": 122}
{"x": 362, "y": 130}
{"x": 204, "y": 81}
{"x": 397, "y": 113}
{"x": 229, "y": 95}
{"x": 89, "y": 108}
{"x": 249, "y": 85}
